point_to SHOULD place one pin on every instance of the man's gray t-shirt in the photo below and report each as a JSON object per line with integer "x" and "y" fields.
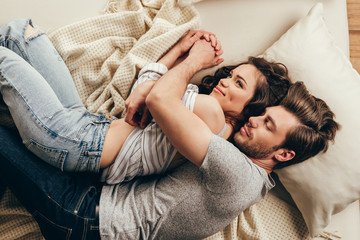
{"x": 187, "y": 202}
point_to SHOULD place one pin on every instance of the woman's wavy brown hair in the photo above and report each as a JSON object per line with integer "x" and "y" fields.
{"x": 269, "y": 92}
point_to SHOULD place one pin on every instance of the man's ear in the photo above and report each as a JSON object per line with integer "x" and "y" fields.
{"x": 283, "y": 155}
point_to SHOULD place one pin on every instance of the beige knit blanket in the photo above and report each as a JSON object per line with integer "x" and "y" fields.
{"x": 105, "y": 53}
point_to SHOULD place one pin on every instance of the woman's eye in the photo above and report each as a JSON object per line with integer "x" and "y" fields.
{"x": 239, "y": 83}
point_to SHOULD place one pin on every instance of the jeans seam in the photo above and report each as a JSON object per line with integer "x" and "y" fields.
{"x": 5, "y": 155}
{"x": 85, "y": 229}
{"x": 36, "y": 212}
{"x": 66, "y": 210}
{"x": 77, "y": 207}
{"x": 40, "y": 123}
{"x": 18, "y": 44}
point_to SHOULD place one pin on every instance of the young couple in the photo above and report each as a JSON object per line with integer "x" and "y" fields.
{"x": 191, "y": 200}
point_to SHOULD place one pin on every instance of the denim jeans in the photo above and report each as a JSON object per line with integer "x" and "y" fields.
{"x": 62, "y": 203}
{"x": 44, "y": 104}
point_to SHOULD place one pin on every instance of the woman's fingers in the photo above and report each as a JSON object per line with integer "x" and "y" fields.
{"x": 220, "y": 60}
{"x": 129, "y": 118}
{"x": 213, "y": 41}
{"x": 145, "y": 118}
{"x": 206, "y": 36}
{"x": 218, "y": 53}
{"x": 218, "y": 47}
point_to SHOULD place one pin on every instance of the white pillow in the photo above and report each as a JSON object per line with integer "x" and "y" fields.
{"x": 327, "y": 183}
{"x": 183, "y": 3}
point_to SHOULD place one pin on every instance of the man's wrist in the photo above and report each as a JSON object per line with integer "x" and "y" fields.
{"x": 193, "y": 66}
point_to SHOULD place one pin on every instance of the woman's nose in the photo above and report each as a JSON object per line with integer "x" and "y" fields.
{"x": 224, "y": 82}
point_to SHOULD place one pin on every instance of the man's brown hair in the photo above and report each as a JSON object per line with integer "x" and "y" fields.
{"x": 317, "y": 127}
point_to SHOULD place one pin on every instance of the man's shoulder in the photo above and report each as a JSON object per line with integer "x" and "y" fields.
{"x": 235, "y": 164}
{"x": 223, "y": 147}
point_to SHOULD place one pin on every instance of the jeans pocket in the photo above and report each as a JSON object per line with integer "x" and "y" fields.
{"x": 53, "y": 156}
{"x": 51, "y": 230}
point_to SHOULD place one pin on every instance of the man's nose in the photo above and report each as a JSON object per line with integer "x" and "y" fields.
{"x": 253, "y": 122}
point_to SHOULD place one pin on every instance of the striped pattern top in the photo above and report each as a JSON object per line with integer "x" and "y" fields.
{"x": 146, "y": 151}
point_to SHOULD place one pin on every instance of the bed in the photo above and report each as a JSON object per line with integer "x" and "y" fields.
{"x": 317, "y": 199}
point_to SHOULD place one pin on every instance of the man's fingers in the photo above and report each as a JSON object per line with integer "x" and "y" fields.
{"x": 190, "y": 33}
{"x": 196, "y": 36}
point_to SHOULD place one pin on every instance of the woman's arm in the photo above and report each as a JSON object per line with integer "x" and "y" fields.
{"x": 208, "y": 109}
{"x": 186, "y": 131}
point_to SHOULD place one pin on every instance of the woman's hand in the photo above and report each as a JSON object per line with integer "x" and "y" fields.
{"x": 181, "y": 49}
{"x": 215, "y": 43}
{"x": 186, "y": 43}
{"x": 137, "y": 113}
{"x": 204, "y": 55}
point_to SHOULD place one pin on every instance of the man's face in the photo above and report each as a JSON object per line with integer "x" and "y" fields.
{"x": 261, "y": 136}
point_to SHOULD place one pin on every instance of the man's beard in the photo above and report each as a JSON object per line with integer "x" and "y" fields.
{"x": 256, "y": 151}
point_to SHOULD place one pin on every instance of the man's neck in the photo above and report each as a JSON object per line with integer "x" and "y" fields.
{"x": 266, "y": 164}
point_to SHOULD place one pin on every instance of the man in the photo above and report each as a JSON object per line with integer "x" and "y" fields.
{"x": 189, "y": 202}
{"x": 298, "y": 129}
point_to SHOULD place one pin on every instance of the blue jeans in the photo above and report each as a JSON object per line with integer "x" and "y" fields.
{"x": 63, "y": 204}
{"x": 44, "y": 104}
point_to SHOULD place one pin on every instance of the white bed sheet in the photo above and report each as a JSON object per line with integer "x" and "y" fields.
{"x": 246, "y": 26}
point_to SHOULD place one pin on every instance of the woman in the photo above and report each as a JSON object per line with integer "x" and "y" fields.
{"x": 55, "y": 125}
{"x": 229, "y": 97}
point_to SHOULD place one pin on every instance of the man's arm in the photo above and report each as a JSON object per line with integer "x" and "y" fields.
{"x": 137, "y": 113}
{"x": 187, "y": 132}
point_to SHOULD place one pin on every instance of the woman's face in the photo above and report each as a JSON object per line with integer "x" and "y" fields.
{"x": 235, "y": 92}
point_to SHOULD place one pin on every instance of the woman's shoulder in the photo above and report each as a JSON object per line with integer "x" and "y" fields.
{"x": 209, "y": 110}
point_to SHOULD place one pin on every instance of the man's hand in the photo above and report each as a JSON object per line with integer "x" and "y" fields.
{"x": 137, "y": 113}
